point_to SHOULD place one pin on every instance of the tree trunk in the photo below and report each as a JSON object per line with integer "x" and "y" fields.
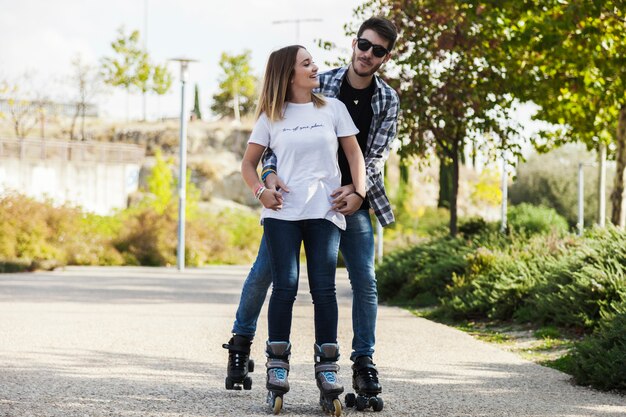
{"x": 445, "y": 184}
{"x": 83, "y": 106}
{"x": 620, "y": 158}
{"x": 74, "y": 118}
{"x": 455, "y": 189}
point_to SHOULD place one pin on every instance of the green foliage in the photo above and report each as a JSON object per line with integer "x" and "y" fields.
{"x": 551, "y": 180}
{"x": 414, "y": 224}
{"x": 237, "y": 86}
{"x": 584, "y": 286}
{"x": 161, "y": 79}
{"x": 121, "y": 69}
{"x": 160, "y": 184}
{"x": 530, "y": 219}
{"x": 487, "y": 190}
{"x": 476, "y": 226}
{"x": 149, "y": 238}
{"x": 33, "y": 232}
{"x": 420, "y": 274}
{"x": 567, "y": 57}
{"x": 549, "y": 332}
{"x": 163, "y": 189}
{"x": 131, "y": 68}
{"x": 600, "y": 360}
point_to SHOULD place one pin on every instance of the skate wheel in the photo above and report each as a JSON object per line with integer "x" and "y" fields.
{"x": 350, "y": 400}
{"x": 278, "y": 405}
{"x": 378, "y": 404}
{"x": 247, "y": 383}
{"x": 228, "y": 383}
{"x": 250, "y": 365}
{"x": 337, "y": 407}
{"x": 361, "y": 403}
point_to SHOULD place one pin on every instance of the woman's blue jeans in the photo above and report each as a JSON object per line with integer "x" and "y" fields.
{"x": 357, "y": 248}
{"x": 321, "y": 245}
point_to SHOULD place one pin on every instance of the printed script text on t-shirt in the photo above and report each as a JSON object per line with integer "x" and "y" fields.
{"x": 297, "y": 128}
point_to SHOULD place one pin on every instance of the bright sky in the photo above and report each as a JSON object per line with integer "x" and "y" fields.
{"x": 42, "y": 37}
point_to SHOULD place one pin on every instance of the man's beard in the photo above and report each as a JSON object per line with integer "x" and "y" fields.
{"x": 366, "y": 73}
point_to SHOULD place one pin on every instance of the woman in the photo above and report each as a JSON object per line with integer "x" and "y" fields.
{"x": 304, "y": 131}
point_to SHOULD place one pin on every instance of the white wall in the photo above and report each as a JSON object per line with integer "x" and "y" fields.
{"x": 98, "y": 186}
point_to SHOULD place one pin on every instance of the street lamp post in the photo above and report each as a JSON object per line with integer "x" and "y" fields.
{"x": 580, "y": 226}
{"x": 504, "y": 189}
{"x": 182, "y": 176}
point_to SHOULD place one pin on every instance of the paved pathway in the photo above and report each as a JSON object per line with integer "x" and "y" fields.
{"x": 147, "y": 342}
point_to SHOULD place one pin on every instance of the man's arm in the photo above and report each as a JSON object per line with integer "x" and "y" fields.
{"x": 268, "y": 174}
{"x": 269, "y": 160}
{"x": 379, "y": 151}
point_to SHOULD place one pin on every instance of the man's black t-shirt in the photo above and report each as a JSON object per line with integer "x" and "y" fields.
{"x": 359, "y": 105}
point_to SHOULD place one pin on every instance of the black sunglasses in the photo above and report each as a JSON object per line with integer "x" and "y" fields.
{"x": 365, "y": 45}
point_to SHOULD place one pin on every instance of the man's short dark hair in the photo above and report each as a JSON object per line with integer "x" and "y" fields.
{"x": 383, "y": 27}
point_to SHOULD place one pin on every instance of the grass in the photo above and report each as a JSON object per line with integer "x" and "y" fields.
{"x": 546, "y": 346}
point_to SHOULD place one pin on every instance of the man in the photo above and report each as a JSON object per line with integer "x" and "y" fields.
{"x": 373, "y": 106}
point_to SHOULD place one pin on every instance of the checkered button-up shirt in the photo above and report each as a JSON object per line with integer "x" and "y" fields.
{"x": 385, "y": 105}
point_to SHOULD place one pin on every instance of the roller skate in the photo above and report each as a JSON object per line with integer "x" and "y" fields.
{"x": 326, "y": 369}
{"x": 366, "y": 385}
{"x": 277, "y": 370}
{"x": 239, "y": 363}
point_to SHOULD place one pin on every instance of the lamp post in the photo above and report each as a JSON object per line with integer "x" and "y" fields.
{"x": 580, "y": 226}
{"x": 182, "y": 176}
{"x": 504, "y": 189}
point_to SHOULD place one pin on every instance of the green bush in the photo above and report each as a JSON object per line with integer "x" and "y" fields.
{"x": 44, "y": 234}
{"x": 535, "y": 219}
{"x": 421, "y": 273}
{"x": 600, "y": 359}
{"x": 500, "y": 277}
{"x": 475, "y": 226}
{"x": 40, "y": 235}
{"x": 585, "y": 285}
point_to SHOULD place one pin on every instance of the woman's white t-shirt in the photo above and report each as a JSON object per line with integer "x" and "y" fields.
{"x": 305, "y": 144}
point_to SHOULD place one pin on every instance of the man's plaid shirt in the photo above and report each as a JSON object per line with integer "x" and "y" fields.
{"x": 385, "y": 104}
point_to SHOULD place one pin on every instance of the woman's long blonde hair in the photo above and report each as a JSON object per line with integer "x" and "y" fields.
{"x": 275, "y": 91}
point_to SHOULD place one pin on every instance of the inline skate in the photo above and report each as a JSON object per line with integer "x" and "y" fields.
{"x": 326, "y": 369}
{"x": 277, "y": 371}
{"x": 366, "y": 385}
{"x": 239, "y": 363}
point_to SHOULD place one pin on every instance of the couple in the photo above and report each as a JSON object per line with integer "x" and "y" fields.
{"x": 318, "y": 193}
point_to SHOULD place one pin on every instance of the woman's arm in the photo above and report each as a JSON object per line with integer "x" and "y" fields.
{"x": 271, "y": 199}
{"x": 355, "y": 159}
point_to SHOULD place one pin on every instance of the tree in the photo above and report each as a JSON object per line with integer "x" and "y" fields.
{"x": 120, "y": 70}
{"x": 143, "y": 76}
{"x": 131, "y": 68}
{"x": 451, "y": 96}
{"x": 162, "y": 189}
{"x": 569, "y": 57}
{"x": 237, "y": 86}
{"x": 161, "y": 80}
{"x": 87, "y": 82}
{"x": 196, "y": 104}
{"x": 26, "y": 104}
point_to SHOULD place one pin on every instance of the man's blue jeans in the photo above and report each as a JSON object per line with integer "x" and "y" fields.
{"x": 321, "y": 244}
{"x": 357, "y": 248}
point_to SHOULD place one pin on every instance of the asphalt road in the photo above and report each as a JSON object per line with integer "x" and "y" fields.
{"x": 147, "y": 342}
